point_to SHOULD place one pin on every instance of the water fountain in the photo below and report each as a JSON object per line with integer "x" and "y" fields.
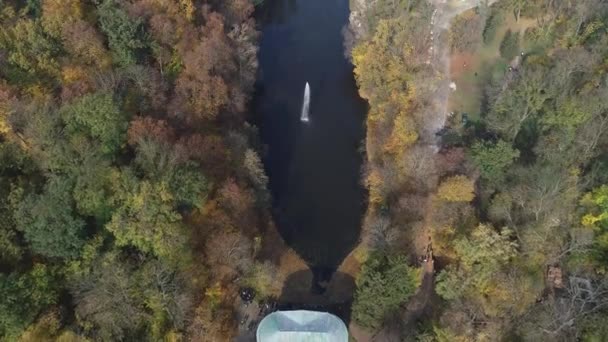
{"x": 305, "y": 104}
{"x": 314, "y": 171}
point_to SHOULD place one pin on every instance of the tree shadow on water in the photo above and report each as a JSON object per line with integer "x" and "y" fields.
{"x": 302, "y": 291}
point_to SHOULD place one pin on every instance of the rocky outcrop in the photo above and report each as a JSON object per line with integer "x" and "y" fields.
{"x": 357, "y": 28}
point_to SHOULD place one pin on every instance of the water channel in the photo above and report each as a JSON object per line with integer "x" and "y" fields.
{"x": 314, "y": 166}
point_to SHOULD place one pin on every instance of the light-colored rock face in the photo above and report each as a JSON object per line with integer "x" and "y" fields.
{"x": 449, "y": 9}
{"x": 357, "y": 28}
{"x": 358, "y": 24}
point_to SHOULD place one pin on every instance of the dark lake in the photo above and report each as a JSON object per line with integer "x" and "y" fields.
{"x": 314, "y": 167}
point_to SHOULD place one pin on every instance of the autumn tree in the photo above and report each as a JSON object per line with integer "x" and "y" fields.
{"x": 480, "y": 256}
{"x": 456, "y": 189}
{"x": 168, "y": 25}
{"x": 245, "y": 36}
{"x": 154, "y": 225}
{"x": 57, "y": 14}
{"x": 210, "y": 150}
{"x": 466, "y": 33}
{"x": 387, "y": 49}
{"x": 238, "y": 202}
{"x": 168, "y": 296}
{"x": 403, "y": 135}
{"x": 212, "y": 323}
{"x": 237, "y": 11}
{"x": 202, "y": 89}
{"x": 256, "y": 175}
{"x": 521, "y": 102}
{"x": 81, "y": 40}
{"x": 146, "y": 128}
{"x": 574, "y": 312}
{"x": 107, "y": 302}
{"x": 46, "y": 327}
{"x": 146, "y": 216}
{"x": 262, "y": 277}
{"x": 480, "y": 274}
{"x": 30, "y": 50}
{"x": 596, "y": 218}
{"x": 230, "y": 251}
{"x": 41, "y": 127}
{"x": 184, "y": 177}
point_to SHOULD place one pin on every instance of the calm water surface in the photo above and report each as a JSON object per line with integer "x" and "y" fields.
{"x": 314, "y": 167}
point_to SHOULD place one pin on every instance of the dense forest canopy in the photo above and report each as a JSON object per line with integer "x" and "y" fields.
{"x": 131, "y": 191}
{"x": 134, "y": 203}
{"x": 513, "y": 197}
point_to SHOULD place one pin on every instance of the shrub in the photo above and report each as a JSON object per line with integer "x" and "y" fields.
{"x": 509, "y": 47}
{"x": 263, "y": 279}
{"x": 492, "y": 25}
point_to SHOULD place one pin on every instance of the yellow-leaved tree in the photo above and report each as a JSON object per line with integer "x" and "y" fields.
{"x": 457, "y": 189}
{"x": 403, "y": 135}
{"x": 381, "y": 65}
{"x": 56, "y": 14}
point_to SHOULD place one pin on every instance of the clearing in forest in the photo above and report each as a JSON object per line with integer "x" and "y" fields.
{"x": 471, "y": 70}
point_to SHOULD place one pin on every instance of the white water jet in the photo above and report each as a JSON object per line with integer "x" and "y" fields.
{"x": 305, "y": 104}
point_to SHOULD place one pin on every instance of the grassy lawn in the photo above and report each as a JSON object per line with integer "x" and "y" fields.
{"x": 471, "y": 72}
